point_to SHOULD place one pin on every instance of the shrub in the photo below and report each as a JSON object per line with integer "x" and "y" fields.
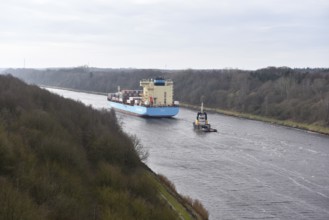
{"x": 167, "y": 182}
{"x": 197, "y": 206}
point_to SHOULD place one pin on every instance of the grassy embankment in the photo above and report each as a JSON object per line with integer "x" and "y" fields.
{"x": 181, "y": 205}
{"x": 287, "y": 123}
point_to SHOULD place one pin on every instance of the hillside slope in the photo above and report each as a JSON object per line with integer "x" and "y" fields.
{"x": 62, "y": 160}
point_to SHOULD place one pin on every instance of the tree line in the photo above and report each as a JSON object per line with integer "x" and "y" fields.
{"x": 283, "y": 93}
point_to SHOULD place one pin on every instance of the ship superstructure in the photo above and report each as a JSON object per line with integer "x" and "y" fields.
{"x": 155, "y": 100}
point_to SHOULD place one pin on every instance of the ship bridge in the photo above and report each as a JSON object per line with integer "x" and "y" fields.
{"x": 158, "y": 91}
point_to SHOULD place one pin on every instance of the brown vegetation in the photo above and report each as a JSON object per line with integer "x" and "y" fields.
{"x": 197, "y": 206}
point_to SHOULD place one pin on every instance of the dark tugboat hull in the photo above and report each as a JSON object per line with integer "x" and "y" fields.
{"x": 204, "y": 128}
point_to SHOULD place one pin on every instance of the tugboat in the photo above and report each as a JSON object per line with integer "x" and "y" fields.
{"x": 201, "y": 122}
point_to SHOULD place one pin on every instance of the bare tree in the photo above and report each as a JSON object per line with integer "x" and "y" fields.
{"x": 142, "y": 153}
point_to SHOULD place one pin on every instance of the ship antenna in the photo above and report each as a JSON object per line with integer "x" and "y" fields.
{"x": 118, "y": 88}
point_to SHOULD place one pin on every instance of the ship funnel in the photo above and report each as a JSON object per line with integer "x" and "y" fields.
{"x": 202, "y": 97}
{"x": 119, "y": 89}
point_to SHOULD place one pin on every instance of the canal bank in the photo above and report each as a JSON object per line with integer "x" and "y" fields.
{"x": 287, "y": 123}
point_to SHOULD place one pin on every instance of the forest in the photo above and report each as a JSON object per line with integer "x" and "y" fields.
{"x": 300, "y": 95}
{"x": 60, "y": 159}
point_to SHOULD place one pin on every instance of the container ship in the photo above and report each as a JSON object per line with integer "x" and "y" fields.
{"x": 155, "y": 100}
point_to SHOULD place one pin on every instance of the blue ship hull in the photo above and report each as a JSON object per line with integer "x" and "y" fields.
{"x": 143, "y": 111}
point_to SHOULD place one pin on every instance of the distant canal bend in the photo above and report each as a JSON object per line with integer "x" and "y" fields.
{"x": 247, "y": 170}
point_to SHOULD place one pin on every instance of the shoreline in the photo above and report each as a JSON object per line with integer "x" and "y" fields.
{"x": 73, "y": 90}
{"x": 287, "y": 123}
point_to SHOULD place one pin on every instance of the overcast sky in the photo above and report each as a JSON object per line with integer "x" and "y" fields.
{"x": 172, "y": 34}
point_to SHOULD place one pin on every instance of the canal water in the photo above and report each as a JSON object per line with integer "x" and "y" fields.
{"x": 247, "y": 170}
